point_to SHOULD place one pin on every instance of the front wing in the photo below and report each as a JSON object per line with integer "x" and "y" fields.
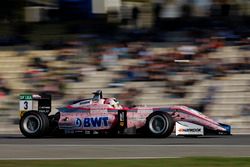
{"x": 190, "y": 129}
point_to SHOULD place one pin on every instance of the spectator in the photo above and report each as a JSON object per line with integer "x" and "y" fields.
{"x": 4, "y": 89}
{"x": 54, "y": 87}
{"x": 39, "y": 64}
{"x": 207, "y": 100}
{"x": 157, "y": 11}
{"x": 128, "y": 96}
{"x": 135, "y": 15}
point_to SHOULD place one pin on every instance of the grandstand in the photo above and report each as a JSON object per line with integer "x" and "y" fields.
{"x": 232, "y": 92}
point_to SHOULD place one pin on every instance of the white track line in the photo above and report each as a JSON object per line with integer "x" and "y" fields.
{"x": 110, "y": 146}
{"x": 89, "y": 158}
{"x": 115, "y": 145}
{"x": 111, "y": 158}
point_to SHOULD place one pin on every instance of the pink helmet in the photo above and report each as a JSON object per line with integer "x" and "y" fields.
{"x": 112, "y": 102}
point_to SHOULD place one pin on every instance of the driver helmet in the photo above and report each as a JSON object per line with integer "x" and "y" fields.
{"x": 112, "y": 102}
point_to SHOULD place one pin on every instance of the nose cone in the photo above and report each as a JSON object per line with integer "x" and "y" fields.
{"x": 227, "y": 128}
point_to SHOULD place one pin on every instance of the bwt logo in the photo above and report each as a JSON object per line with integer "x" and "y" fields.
{"x": 92, "y": 122}
{"x": 190, "y": 130}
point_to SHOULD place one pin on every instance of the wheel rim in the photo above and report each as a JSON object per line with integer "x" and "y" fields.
{"x": 31, "y": 124}
{"x": 158, "y": 124}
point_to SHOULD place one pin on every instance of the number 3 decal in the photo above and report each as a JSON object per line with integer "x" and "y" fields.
{"x": 25, "y": 105}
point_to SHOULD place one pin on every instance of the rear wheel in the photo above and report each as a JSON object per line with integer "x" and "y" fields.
{"x": 160, "y": 124}
{"x": 34, "y": 124}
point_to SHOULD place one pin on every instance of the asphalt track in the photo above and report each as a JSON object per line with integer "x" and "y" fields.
{"x": 18, "y": 147}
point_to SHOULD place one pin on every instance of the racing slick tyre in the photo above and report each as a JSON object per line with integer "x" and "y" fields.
{"x": 160, "y": 124}
{"x": 34, "y": 124}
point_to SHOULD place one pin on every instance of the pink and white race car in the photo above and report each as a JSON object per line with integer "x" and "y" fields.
{"x": 99, "y": 115}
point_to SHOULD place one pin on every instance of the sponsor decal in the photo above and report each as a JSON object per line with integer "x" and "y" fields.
{"x": 92, "y": 122}
{"x": 122, "y": 116}
{"x": 190, "y": 130}
{"x": 26, "y": 97}
{"x": 85, "y": 102}
{"x": 121, "y": 124}
{"x": 25, "y": 103}
{"x": 187, "y": 128}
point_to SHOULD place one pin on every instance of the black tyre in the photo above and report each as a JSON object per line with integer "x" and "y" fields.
{"x": 34, "y": 124}
{"x": 160, "y": 124}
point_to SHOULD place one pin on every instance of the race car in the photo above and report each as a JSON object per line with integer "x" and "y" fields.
{"x": 100, "y": 115}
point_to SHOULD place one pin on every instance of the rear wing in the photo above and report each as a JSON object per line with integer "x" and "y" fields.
{"x": 40, "y": 103}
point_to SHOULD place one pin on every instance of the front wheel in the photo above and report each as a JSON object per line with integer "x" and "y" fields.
{"x": 34, "y": 124}
{"x": 160, "y": 124}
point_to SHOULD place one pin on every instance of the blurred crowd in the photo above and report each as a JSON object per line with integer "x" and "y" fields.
{"x": 178, "y": 64}
{"x": 176, "y": 50}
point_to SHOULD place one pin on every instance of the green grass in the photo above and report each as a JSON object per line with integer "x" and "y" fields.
{"x": 175, "y": 162}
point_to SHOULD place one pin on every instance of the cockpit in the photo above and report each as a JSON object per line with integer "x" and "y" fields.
{"x": 111, "y": 102}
